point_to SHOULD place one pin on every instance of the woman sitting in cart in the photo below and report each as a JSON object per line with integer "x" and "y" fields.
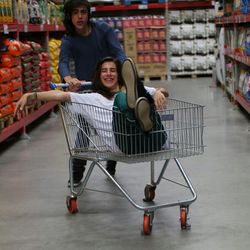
{"x": 115, "y": 88}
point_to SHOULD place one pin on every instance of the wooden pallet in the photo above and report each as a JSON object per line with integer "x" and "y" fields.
{"x": 150, "y": 78}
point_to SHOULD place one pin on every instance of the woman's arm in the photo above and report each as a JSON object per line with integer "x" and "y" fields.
{"x": 53, "y": 95}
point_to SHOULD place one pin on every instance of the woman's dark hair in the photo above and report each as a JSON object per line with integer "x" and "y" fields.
{"x": 97, "y": 85}
{"x": 69, "y": 6}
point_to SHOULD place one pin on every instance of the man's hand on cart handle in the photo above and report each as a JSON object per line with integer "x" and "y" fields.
{"x": 84, "y": 85}
{"x": 74, "y": 83}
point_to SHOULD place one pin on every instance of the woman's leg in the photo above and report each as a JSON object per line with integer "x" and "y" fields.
{"x": 137, "y": 97}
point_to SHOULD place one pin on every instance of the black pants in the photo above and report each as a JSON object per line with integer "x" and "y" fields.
{"x": 78, "y": 165}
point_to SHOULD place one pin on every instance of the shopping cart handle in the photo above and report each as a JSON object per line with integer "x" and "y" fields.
{"x": 84, "y": 85}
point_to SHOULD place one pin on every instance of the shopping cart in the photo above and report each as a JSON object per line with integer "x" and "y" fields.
{"x": 182, "y": 123}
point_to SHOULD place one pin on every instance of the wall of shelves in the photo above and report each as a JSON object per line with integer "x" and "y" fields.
{"x": 235, "y": 26}
{"x": 33, "y": 32}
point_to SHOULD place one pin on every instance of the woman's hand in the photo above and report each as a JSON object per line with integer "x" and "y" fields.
{"x": 74, "y": 83}
{"x": 23, "y": 101}
{"x": 160, "y": 98}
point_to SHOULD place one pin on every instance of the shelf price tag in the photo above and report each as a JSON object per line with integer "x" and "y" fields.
{"x": 5, "y": 29}
{"x": 57, "y": 27}
{"x": 26, "y": 28}
{"x": 41, "y": 27}
{"x": 142, "y": 6}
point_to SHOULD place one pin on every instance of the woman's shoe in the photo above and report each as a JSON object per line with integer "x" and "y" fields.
{"x": 129, "y": 75}
{"x": 143, "y": 114}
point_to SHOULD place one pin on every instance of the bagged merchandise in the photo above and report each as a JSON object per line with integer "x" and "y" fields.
{"x": 35, "y": 16}
{"x": 176, "y": 47}
{"x": 201, "y": 46}
{"x": 210, "y": 59}
{"x": 188, "y": 63}
{"x": 246, "y": 87}
{"x": 13, "y": 47}
{"x": 242, "y": 77}
{"x": 241, "y": 40}
{"x": 30, "y": 66}
{"x": 187, "y": 31}
{"x": 176, "y": 63}
{"x": 211, "y": 29}
{"x": 200, "y": 63}
{"x": 210, "y": 15}
{"x": 175, "y": 32}
{"x": 210, "y": 45}
{"x": 54, "y": 50}
{"x": 245, "y": 6}
{"x": 175, "y": 16}
{"x": 5, "y": 74}
{"x": 188, "y": 46}
{"x": 45, "y": 75}
{"x": 247, "y": 43}
{"x": 7, "y": 60}
{"x": 187, "y": 16}
{"x": 200, "y": 30}
{"x": 200, "y": 15}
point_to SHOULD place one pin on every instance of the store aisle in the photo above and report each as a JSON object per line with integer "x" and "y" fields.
{"x": 33, "y": 176}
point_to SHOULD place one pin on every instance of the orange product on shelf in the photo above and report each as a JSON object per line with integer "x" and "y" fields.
{"x": 15, "y": 83}
{"x": 147, "y": 58}
{"x": 16, "y": 95}
{"x": 163, "y": 58}
{"x": 4, "y": 100}
{"x": 5, "y": 74}
{"x": 162, "y": 45}
{"x": 147, "y": 46}
{"x": 140, "y": 58}
{"x": 140, "y": 46}
{"x": 139, "y": 34}
{"x": 16, "y": 71}
{"x": 6, "y": 110}
{"x": 15, "y": 47}
{"x": 7, "y": 60}
{"x": 146, "y": 34}
{"x": 162, "y": 33}
{"x": 148, "y": 21}
{"x": 4, "y": 88}
{"x": 155, "y": 33}
{"x": 155, "y": 58}
{"x": 155, "y": 46}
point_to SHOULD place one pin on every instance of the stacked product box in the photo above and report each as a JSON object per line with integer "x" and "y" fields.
{"x": 145, "y": 42}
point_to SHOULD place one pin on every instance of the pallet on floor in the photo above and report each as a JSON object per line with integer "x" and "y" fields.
{"x": 190, "y": 75}
{"x": 150, "y": 78}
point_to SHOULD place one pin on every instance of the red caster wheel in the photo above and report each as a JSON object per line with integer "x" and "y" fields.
{"x": 183, "y": 218}
{"x": 71, "y": 204}
{"x": 147, "y": 224}
{"x": 149, "y": 192}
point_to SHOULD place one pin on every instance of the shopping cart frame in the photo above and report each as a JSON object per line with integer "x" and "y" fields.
{"x": 189, "y": 115}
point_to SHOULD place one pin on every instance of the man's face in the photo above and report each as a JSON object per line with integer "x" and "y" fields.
{"x": 79, "y": 17}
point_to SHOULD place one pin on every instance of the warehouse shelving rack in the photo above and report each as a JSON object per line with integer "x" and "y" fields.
{"x": 231, "y": 52}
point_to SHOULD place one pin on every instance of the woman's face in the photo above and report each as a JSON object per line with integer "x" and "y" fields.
{"x": 109, "y": 77}
{"x": 79, "y": 18}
